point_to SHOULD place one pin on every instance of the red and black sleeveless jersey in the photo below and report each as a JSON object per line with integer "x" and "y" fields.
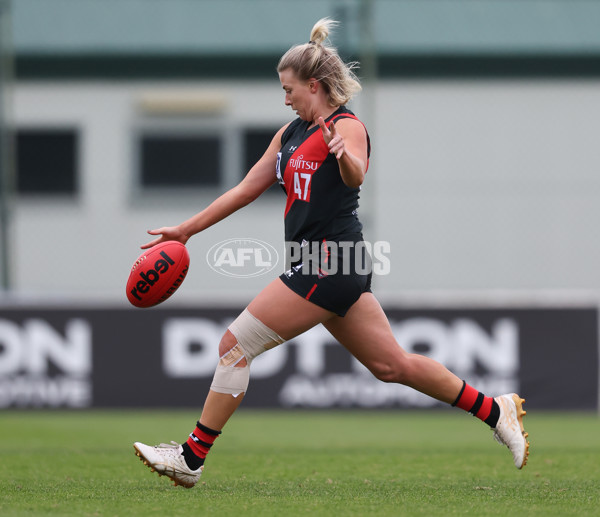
{"x": 319, "y": 204}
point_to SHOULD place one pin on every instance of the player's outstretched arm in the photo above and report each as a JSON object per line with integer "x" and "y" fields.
{"x": 260, "y": 177}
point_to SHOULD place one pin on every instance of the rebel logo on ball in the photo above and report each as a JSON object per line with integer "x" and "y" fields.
{"x": 157, "y": 274}
{"x": 150, "y": 277}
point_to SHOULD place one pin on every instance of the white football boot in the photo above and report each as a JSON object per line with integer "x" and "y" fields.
{"x": 167, "y": 460}
{"x": 509, "y": 430}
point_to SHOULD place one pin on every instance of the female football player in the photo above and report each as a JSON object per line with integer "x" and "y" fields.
{"x": 321, "y": 160}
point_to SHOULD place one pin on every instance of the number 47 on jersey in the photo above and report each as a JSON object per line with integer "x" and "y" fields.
{"x": 301, "y": 184}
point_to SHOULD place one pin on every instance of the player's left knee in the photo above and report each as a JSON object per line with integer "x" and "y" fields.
{"x": 246, "y": 338}
{"x": 228, "y": 341}
{"x": 230, "y": 351}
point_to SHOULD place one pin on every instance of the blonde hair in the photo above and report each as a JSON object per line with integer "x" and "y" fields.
{"x": 320, "y": 61}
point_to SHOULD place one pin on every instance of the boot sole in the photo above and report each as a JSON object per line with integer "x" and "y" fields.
{"x": 520, "y": 414}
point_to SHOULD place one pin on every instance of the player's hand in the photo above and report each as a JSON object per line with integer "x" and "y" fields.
{"x": 167, "y": 233}
{"x": 332, "y": 138}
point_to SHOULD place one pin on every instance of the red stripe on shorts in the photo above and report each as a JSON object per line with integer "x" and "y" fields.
{"x": 311, "y": 291}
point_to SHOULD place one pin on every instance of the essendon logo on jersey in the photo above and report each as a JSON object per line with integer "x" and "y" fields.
{"x": 278, "y": 170}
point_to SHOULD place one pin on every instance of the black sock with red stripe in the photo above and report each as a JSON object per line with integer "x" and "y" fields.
{"x": 476, "y": 403}
{"x": 198, "y": 445}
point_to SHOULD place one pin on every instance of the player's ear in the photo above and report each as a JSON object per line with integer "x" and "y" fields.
{"x": 313, "y": 85}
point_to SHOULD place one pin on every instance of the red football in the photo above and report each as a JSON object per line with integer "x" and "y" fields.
{"x": 157, "y": 273}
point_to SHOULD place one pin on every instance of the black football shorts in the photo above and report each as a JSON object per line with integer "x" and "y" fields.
{"x": 334, "y": 289}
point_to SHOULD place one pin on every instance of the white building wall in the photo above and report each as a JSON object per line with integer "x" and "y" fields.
{"x": 490, "y": 185}
{"x": 477, "y": 185}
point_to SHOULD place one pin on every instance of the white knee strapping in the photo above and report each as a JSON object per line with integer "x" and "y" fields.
{"x": 231, "y": 380}
{"x": 253, "y": 338}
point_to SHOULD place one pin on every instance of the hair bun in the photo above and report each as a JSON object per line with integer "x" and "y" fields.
{"x": 321, "y": 30}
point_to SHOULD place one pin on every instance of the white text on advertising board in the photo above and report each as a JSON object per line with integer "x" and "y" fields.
{"x": 40, "y": 367}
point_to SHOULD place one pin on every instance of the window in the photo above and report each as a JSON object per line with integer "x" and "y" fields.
{"x": 255, "y": 143}
{"x": 172, "y": 159}
{"x": 46, "y": 161}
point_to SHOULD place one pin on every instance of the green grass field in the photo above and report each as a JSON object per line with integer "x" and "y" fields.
{"x": 299, "y": 463}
